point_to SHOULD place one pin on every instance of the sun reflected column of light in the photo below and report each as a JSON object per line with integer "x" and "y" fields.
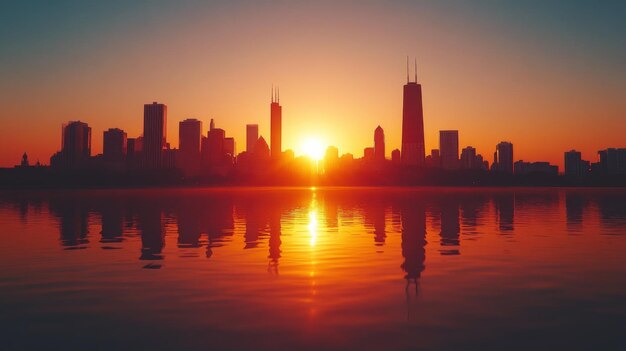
{"x": 313, "y": 228}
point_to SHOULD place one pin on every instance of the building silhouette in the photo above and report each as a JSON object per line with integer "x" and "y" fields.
{"x": 468, "y": 158}
{"x": 503, "y": 158}
{"x": 276, "y": 121}
{"x": 369, "y": 154}
{"x": 24, "y": 163}
{"x": 75, "y": 146}
{"x": 449, "y": 149}
{"x": 154, "y": 134}
{"x": 214, "y": 153}
{"x": 189, "y": 144}
{"x": 261, "y": 150}
{"x": 433, "y": 160}
{"x": 252, "y": 135}
{"x": 114, "y": 145}
{"x": 189, "y": 136}
{"x": 613, "y": 161}
{"x": 412, "y": 123}
{"x": 379, "y": 144}
{"x": 395, "y": 156}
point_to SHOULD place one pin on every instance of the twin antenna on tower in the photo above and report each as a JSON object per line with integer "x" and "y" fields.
{"x": 407, "y": 70}
{"x": 275, "y": 94}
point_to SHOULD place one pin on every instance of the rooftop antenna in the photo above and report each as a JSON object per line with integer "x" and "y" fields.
{"x": 407, "y": 68}
{"x": 416, "y": 70}
{"x": 272, "y": 92}
{"x": 278, "y": 94}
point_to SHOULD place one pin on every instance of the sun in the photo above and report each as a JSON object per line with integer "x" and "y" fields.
{"x": 313, "y": 148}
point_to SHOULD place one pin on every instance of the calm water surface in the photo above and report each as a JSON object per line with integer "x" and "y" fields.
{"x": 313, "y": 269}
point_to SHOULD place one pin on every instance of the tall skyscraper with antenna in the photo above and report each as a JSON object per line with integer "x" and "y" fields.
{"x": 412, "y": 122}
{"x": 276, "y": 128}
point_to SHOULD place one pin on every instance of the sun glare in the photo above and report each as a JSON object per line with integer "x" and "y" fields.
{"x": 313, "y": 148}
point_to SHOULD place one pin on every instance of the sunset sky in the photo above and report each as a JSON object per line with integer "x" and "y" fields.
{"x": 547, "y": 76}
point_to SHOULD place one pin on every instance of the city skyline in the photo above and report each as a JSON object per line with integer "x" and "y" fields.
{"x": 542, "y": 87}
{"x": 199, "y": 155}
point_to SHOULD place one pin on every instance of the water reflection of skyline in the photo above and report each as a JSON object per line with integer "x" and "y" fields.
{"x": 312, "y": 263}
{"x": 209, "y": 220}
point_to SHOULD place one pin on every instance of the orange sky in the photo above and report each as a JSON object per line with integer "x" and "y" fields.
{"x": 489, "y": 74}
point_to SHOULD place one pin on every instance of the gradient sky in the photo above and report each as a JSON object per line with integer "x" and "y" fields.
{"x": 546, "y": 75}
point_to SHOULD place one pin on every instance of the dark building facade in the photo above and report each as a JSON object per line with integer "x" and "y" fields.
{"x": 449, "y": 149}
{"x": 75, "y": 145}
{"x": 613, "y": 161}
{"x": 114, "y": 145}
{"x": 503, "y": 158}
{"x": 276, "y": 123}
{"x": 412, "y": 152}
{"x": 154, "y": 134}
{"x": 252, "y": 135}
{"x": 189, "y": 145}
{"x": 379, "y": 144}
{"x": 574, "y": 165}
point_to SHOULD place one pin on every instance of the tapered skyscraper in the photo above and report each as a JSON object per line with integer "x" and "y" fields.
{"x": 276, "y": 115}
{"x": 412, "y": 123}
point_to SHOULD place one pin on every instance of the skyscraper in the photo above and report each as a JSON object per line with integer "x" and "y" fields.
{"x": 189, "y": 137}
{"x": 154, "y": 134}
{"x": 189, "y": 144}
{"x": 114, "y": 145}
{"x": 261, "y": 150}
{"x": 449, "y": 148}
{"x": 613, "y": 161}
{"x": 252, "y": 135}
{"x": 503, "y": 157}
{"x": 276, "y": 114}
{"x": 469, "y": 159}
{"x": 379, "y": 144}
{"x": 412, "y": 123}
{"x": 76, "y": 143}
{"x": 572, "y": 163}
{"x": 215, "y": 142}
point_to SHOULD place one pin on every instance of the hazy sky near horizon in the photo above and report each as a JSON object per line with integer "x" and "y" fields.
{"x": 546, "y": 75}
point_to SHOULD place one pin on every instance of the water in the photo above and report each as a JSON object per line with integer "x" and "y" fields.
{"x": 313, "y": 269}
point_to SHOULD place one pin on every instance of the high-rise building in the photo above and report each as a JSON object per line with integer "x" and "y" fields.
{"x": 252, "y": 135}
{"x": 215, "y": 142}
{"x": 189, "y": 137}
{"x": 613, "y": 161}
{"x": 379, "y": 144}
{"x": 261, "y": 150}
{"x": 572, "y": 163}
{"x": 189, "y": 145}
{"x": 76, "y": 143}
{"x": 276, "y": 116}
{"x": 503, "y": 157}
{"x": 154, "y": 134}
{"x": 468, "y": 158}
{"x": 412, "y": 123}
{"x": 114, "y": 145}
{"x": 449, "y": 149}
